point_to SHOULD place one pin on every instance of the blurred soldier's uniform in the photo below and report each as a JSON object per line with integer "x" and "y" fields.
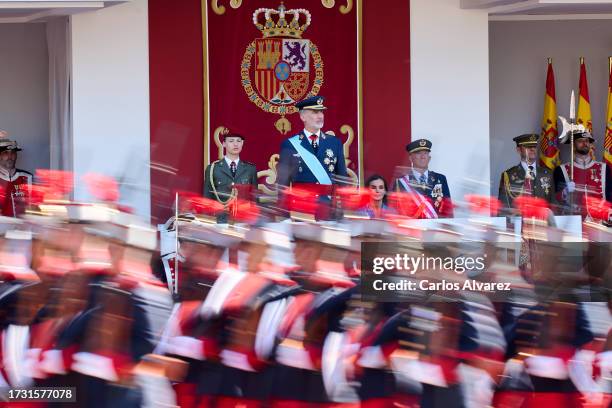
{"x": 311, "y": 320}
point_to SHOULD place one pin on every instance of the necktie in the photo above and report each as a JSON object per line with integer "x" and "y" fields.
{"x": 233, "y": 168}
{"x": 313, "y": 141}
{"x": 529, "y": 180}
{"x": 423, "y": 179}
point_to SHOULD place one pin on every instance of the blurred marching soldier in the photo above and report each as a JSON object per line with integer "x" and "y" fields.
{"x": 304, "y": 374}
{"x": 541, "y": 342}
{"x": 89, "y": 333}
{"x": 545, "y": 335}
{"x": 603, "y": 363}
{"x": 111, "y": 333}
{"x": 251, "y": 326}
{"x": 21, "y": 297}
{"x": 312, "y": 156}
{"x": 527, "y": 177}
{"x": 379, "y": 385}
{"x": 211, "y": 330}
{"x": 14, "y": 182}
{"x": 53, "y": 250}
{"x": 591, "y": 177}
{"x": 433, "y": 197}
{"x": 230, "y": 177}
{"x": 192, "y": 338}
{"x": 427, "y": 342}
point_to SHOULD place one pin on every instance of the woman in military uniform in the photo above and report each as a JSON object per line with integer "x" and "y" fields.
{"x": 230, "y": 177}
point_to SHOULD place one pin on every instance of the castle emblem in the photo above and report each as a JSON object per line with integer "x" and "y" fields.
{"x": 281, "y": 68}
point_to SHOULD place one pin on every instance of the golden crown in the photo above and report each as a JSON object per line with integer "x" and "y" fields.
{"x": 276, "y": 24}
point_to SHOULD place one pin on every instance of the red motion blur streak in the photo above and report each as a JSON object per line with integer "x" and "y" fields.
{"x": 176, "y": 94}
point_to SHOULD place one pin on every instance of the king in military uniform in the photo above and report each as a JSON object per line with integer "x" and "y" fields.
{"x": 428, "y": 184}
{"x": 312, "y": 156}
{"x": 230, "y": 176}
{"x": 527, "y": 177}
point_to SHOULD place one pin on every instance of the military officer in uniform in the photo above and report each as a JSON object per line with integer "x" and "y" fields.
{"x": 14, "y": 182}
{"x": 591, "y": 178}
{"x": 527, "y": 177}
{"x": 230, "y": 177}
{"x": 311, "y": 156}
{"x": 429, "y": 184}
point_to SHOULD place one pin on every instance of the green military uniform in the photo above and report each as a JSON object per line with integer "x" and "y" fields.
{"x": 517, "y": 181}
{"x": 512, "y": 184}
{"x": 224, "y": 181}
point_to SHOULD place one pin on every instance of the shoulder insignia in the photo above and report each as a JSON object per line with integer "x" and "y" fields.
{"x": 301, "y": 136}
{"x": 513, "y": 170}
{"x": 248, "y": 163}
{"x": 23, "y": 172}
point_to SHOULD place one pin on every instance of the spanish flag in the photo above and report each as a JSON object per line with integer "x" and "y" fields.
{"x": 583, "y": 115}
{"x": 607, "y": 155}
{"x": 549, "y": 148}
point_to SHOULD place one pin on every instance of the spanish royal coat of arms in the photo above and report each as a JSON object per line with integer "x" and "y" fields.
{"x": 281, "y": 68}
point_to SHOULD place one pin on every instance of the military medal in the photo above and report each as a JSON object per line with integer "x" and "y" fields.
{"x": 545, "y": 183}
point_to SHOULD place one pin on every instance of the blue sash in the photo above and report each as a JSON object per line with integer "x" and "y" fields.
{"x": 311, "y": 161}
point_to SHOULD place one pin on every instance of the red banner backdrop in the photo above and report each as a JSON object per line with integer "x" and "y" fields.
{"x": 262, "y": 58}
{"x": 196, "y": 89}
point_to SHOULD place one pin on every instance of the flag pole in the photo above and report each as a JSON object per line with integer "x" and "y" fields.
{"x": 176, "y": 242}
{"x": 573, "y": 121}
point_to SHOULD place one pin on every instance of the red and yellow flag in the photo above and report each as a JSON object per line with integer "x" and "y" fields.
{"x": 549, "y": 148}
{"x": 607, "y": 154}
{"x": 583, "y": 116}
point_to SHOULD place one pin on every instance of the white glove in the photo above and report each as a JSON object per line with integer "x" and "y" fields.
{"x": 571, "y": 187}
